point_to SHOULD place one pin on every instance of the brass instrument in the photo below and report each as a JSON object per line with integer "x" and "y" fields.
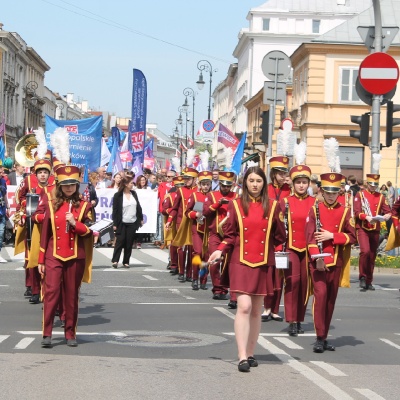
{"x": 220, "y": 227}
{"x": 24, "y": 148}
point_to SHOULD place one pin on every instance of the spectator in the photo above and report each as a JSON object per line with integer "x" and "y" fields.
{"x": 116, "y": 181}
{"x": 103, "y": 181}
{"x": 313, "y": 188}
{"x": 384, "y": 190}
{"x": 361, "y": 183}
{"x": 15, "y": 177}
{"x": 391, "y": 194}
{"x": 215, "y": 181}
{"x": 4, "y": 209}
{"x": 352, "y": 181}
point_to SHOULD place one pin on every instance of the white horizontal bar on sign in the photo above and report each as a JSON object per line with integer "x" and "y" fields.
{"x": 379, "y": 73}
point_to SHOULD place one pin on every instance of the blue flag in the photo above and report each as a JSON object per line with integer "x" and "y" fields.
{"x": 114, "y": 152}
{"x": 86, "y": 173}
{"x": 2, "y": 150}
{"x": 148, "y": 148}
{"x": 237, "y": 158}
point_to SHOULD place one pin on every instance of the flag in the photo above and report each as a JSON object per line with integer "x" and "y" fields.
{"x": 197, "y": 163}
{"x": 3, "y": 126}
{"x": 2, "y": 150}
{"x": 105, "y": 153}
{"x": 177, "y": 153}
{"x": 125, "y": 154}
{"x": 113, "y": 157}
{"x": 86, "y": 173}
{"x": 227, "y": 138}
{"x": 237, "y": 158}
{"x": 117, "y": 167}
{"x": 183, "y": 147}
{"x": 200, "y": 131}
{"x": 116, "y": 135}
{"x": 190, "y": 142}
{"x": 137, "y": 168}
{"x": 148, "y": 149}
{"x": 167, "y": 165}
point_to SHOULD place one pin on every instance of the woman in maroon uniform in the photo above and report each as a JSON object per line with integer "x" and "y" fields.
{"x": 64, "y": 256}
{"x": 295, "y": 209}
{"x": 253, "y": 228}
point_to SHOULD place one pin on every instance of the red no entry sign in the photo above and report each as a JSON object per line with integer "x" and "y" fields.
{"x": 378, "y": 73}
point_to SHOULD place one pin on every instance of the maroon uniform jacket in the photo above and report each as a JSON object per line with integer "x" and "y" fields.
{"x": 377, "y": 204}
{"x": 190, "y": 213}
{"x": 252, "y": 238}
{"x": 278, "y": 193}
{"x": 335, "y": 219}
{"x": 179, "y": 207}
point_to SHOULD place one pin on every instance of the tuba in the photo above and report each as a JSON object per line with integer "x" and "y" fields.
{"x": 24, "y": 149}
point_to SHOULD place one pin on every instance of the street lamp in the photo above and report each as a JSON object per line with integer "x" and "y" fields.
{"x": 30, "y": 101}
{"x": 191, "y": 93}
{"x": 184, "y": 109}
{"x": 60, "y": 106}
{"x": 204, "y": 65}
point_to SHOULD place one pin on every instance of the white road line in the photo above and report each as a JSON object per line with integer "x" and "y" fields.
{"x": 369, "y": 394}
{"x": 225, "y": 312}
{"x": 4, "y": 285}
{"x": 288, "y": 343}
{"x": 330, "y": 369}
{"x": 178, "y": 304}
{"x": 149, "y": 287}
{"x": 150, "y": 278}
{"x": 275, "y": 335}
{"x": 177, "y": 291}
{"x": 115, "y": 269}
{"x": 389, "y": 342}
{"x": 56, "y": 333}
{"x": 20, "y": 269}
{"x": 155, "y": 270}
{"x": 108, "y": 252}
{"x": 3, "y": 338}
{"x": 10, "y": 252}
{"x": 323, "y": 383}
{"x": 24, "y": 343}
{"x": 158, "y": 254}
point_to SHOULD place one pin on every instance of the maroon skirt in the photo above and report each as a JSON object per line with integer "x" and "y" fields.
{"x": 252, "y": 281}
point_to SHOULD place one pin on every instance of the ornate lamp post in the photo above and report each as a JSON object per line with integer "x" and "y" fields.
{"x": 204, "y": 65}
{"x": 60, "y": 106}
{"x": 30, "y": 101}
{"x": 191, "y": 93}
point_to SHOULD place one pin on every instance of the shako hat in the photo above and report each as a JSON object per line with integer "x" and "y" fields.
{"x": 205, "y": 176}
{"x": 330, "y": 182}
{"x": 42, "y": 164}
{"x": 300, "y": 171}
{"x": 226, "y": 177}
{"x": 67, "y": 175}
{"x": 373, "y": 179}
{"x": 281, "y": 163}
{"x": 189, "y": 172}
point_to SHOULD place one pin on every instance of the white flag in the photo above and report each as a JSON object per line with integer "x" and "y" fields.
{"x": 105, "y": 153}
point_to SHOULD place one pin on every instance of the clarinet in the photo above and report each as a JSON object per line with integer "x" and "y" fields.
{"x": 286, "y": 223}
{"x": 318, "y": 225}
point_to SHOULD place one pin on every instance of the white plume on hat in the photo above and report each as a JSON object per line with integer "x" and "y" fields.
{"x": 175, "y": 161}
{"x": 284, "y": 139}
{"x": 41, "y": 149}
{"x": 228, "y": 158}
{"x": 331, "y": 147}
{"x": 376, "y": 161}
{"x": 300, "y": 151}
{"x": 251, "y": 163}
{"x": 59, "y": 140}
{"x": 204, "y": 157}
{"x": 190, "y": 154}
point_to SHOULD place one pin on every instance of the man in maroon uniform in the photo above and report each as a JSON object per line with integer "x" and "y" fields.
{"x": 215, "y": 210}
{"x": 368, "y": 204}
{"x": 277, "y": 190}
{"x": 199, "y": 224}
{"x": 162, "y": 190}
{"x": 329, "y": 234}
{"x": 178, "y": 213}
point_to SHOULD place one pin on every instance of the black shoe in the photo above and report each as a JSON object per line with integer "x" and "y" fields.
{"x": 233, "y": 306}
{"x": 34, "y": 299}
{"x": 189, "y": 279}
{"x": 370, "y": 287}
{"x": 244, "y": 366}
{"x": 223, "y": 296}
{"x": 328, "y": 347}
{"x": 292, "y": 329}
{"x": 318, "y": 346}
{"x": 46, "y": 342}
{"x": 265, "y": 317}
{"x": 72, "y": 343}
{"x": 203, "y": 286}
{"x": 169, "y": 265}
{"x": 195, "y": 285}
{"x": 299, "y": 328}
{"x": 28, "y": 292}
{"x": 363, "y": 283}
{"x": 173, "y": 271}
{"x": 181, "y": 278}
{"x": 62, "y": 323}
{"x": 114, "y": 265}
{"x": 252, "y": 362}
{"x": 278, "y": 318}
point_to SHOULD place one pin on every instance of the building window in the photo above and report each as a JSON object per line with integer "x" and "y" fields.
{"x": 266, "y": 24}
{"x": 316, "y": 25}
{"x": 347, "y": 86}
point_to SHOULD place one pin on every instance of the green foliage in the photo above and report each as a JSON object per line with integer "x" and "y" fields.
{"x": 381, "y": 262}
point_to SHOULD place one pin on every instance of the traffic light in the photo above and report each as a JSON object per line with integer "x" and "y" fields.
{"x": 391, "y": 122}
{"x": 363, "y": 134}
{"x": 264, "y": 126}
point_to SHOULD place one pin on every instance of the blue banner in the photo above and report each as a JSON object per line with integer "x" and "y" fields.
{"x": 84, "y": 139}
{"x": 237, "y": 158}
{"x": 139, "y": 112}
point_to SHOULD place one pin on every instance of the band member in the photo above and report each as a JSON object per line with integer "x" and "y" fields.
{"x": 194, "y": 211}
{"x": 216, "y": 210}
{"x": 295, "y": 209}
{"x": 171, "y": 232}
{"x": 66, "y": 249}
{"x": 253, "y": 228}
{"x": 368, "y": 204}
{"x": 277, "y": 190}
{"x": 182, "y": 238}
{"x": 329, "y": 235}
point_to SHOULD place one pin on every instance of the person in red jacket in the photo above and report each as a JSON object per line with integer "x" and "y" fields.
{"x": 253, "y": 228}
{"x": 368, "y": 205}
{"x": 277, "y": 190}
{"x": 295, "y": 209}
{"x": 329, "y": 229}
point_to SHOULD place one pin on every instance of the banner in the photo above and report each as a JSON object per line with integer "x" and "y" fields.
{"x": 147, "y": 199}
{"x": 139, "y": 110}
{"x": 148, "y": 149}
{"x": 105, "y": 153}
{"x": 237, "y": 158}
{"x": 84, "y": 139}
{"x": 227, "y": 138}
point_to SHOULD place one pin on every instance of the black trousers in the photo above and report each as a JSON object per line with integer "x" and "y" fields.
{"x": 124, "y": 242}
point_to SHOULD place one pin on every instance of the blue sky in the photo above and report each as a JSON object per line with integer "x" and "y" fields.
{"x": 91, "y": 47}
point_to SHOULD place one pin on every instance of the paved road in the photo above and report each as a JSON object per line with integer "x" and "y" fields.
{"x": 142, "y": 334}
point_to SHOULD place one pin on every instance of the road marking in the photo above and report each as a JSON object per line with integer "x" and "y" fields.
{"x": 10, "y": 252}
{"x": 389, "y": 342}
{"x": 20, "y": 269}
{"x": 115, "y": 269}
{"x": 149, "y": 287}
{"x": 3, "y": 338}
{"x": 155, "y": 270}
{"x": 150, "y": 278}
{"x": 4, "y": 285}
{"x": 288, "y": 343}
{"x": 24, "y": 343}
{"x": 108, "y": 252}
{"x": 275, "y": 335}
{"x": 177, "y": 291}
{"x": 178, "y": 304}
{"x": 225, "y": 312}
{"x": 323, "y": 383}
{"x": 369, "y": 394}
{"x": 158, "y": 254}
{"x": 330, "y": 369}
{"x": 56, "y": 333}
